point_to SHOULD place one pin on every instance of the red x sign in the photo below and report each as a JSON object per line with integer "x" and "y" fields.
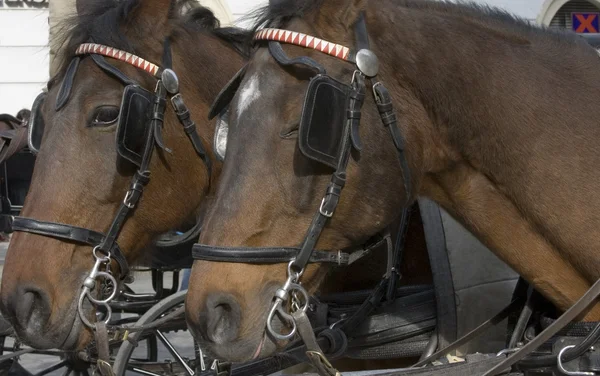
{"x": 585, "y": 22}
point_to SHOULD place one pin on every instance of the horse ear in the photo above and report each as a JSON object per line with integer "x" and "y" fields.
{"x": 154, "y": 14}
{"x": 344, "y": 12}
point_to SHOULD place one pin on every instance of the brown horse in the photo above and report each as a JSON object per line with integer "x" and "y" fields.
{"x": 500, "y": 129}
{"x": 80, "y": 180}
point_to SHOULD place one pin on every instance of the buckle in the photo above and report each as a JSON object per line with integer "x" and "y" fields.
{"x": 323, "y": 211}
{"x": 126, "y": 200}
{"x": 342, "y": 258}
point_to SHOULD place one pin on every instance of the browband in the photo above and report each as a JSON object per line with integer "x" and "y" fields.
{"x": 72, "y": 233}
{"x": 136, "y": 61}
{"x": 303, "y": 40}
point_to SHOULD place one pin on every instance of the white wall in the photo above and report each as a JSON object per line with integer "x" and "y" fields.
{"x": 24, "y": 57}
{"x": 241, "y": 7}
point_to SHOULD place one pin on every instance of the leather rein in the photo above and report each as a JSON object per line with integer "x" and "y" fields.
{"x": 105, "y": 246}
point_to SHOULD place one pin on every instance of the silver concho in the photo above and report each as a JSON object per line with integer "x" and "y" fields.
{"x": 367, "y": 62}
{"x": 170, "y": 80}
{"x": 220, "y": 141}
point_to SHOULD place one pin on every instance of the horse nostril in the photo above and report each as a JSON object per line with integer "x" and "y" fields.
{"x": 223, "y": 318}
{"x": 28, "y": 307}
{"x": 25, "y": 306}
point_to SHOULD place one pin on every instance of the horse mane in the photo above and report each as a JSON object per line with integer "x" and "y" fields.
{"x": 492, "y": 14}
{"x": 279, "y": 12}
{"x": 103, "y": 20}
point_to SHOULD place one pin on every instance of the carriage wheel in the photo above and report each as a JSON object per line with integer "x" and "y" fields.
{"x": 172, "y": 340}
{"x": 24, "y": 361}
{"x": 17, "y": 359}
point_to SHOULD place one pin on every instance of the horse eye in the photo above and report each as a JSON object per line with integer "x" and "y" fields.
{"x": 290, "y": 131}
{"x": 104, "y": 116}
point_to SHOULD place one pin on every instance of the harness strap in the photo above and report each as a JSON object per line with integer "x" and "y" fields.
{"x": 112, "y": 70}
{"x": 383, "y": 99}
{"x": 498, "y": 318}
{"x": 337, "y": 183}
{"x": 576, "y": 309}
{"x": 71, "y": 233}
{"x": 103, "y": 362}
{"x": 361, "y": 33}
{"x": 279, "y": 55}
{"x": 270, "y": 255}
{"x": 64, "y": 92}
{"x": 393, "y": 271}
{"x": 314, "y": 353}
{"x": 184, "y": 116}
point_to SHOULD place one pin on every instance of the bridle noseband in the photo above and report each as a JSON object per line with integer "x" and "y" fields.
{"x": 291, "y": 300}
{"x": 105, "y": 246}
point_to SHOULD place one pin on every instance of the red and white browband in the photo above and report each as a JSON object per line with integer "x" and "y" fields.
{"x": 136, "y": 61}
{"x": 303, "y": 40}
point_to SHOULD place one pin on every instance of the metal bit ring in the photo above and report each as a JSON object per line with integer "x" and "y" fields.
{"x": 82, "y": 315}
{"x": 112, "y": 294}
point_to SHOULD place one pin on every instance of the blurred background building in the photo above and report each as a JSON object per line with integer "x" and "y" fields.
{"x": 27, "y": 28}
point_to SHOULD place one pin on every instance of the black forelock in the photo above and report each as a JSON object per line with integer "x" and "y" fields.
{"x": 102, "y": 22}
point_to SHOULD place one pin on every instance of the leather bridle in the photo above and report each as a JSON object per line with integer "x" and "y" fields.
{"x": 105, "y": 246}
{"x": 292, "y": 294}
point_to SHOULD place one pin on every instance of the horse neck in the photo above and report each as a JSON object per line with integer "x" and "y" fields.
{"x": 479, "y": 103}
